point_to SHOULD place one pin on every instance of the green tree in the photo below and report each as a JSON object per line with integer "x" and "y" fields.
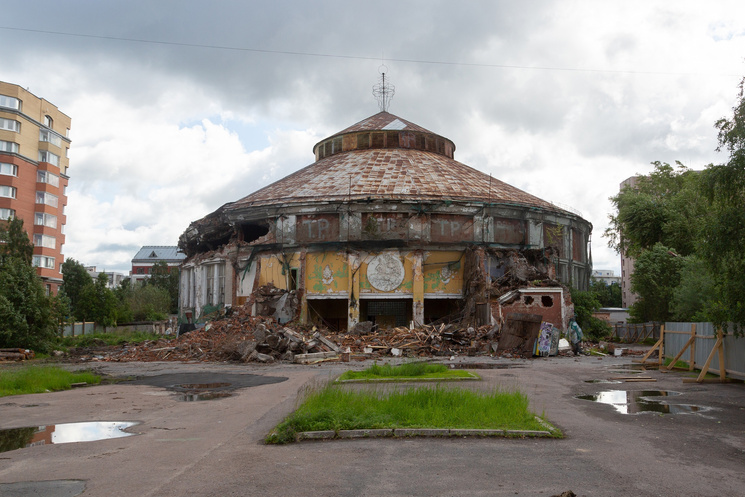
{"x": 149, "y": 303}
{"x": 722, "y": 246}
{"x": 97, "y": 302}
{"x": 692, "y": 297}
{"x": 27, "y": 316}
{"x": 14, "y": 241}
{"x": 75, "y": 282}
{"x": 656, "y": 276}
{"x": 123, "y": 294}
{"x": 664, "y": 207}
{"x": 167, "y": 278}
{"x": 607, "y": 295}
{"x": 585, "y": 303}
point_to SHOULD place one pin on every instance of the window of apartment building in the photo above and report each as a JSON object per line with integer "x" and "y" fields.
{"x": 10, "y": 125}
{"x": 6, "y": 214}
{"x": 45, "y": 241}
{"x": 8, "y": 147}
{"x": 47, "y": 156}
{"x": 43, "y": 219}
{"x": 43, "y": 261}
{"x": 47, "y": 177}
{"x": 48, "y": 122}
{"x": 8, "y": 169}
{"x": 7, "y": 191}
{"x": 10, "y": 102}
{"x": 46, "y": 135}
{"x": 46, "y": 198}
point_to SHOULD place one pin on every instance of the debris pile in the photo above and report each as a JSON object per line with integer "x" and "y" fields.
{"x": 16, "y": 354}
{"x": 239, "y": 336}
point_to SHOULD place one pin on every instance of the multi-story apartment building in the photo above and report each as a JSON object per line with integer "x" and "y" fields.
{"x": 34, "y": 145}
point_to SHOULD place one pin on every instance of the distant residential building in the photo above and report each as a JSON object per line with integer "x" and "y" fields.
{"x": 34, "y": 144}
{"x": 115, "y": 279}
{"x": 627, "y": 263}
{"x": 149, "y": 255}
{"x": 606, "y": 275}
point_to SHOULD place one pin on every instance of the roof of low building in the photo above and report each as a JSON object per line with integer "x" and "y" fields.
{"x": 155, "y": 253}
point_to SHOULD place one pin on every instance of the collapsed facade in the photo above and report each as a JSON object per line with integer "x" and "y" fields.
{"x": 385, "y": 226}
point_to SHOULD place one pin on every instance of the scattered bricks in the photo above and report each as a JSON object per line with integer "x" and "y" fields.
{"x": 316, "y": 435}
{"x": 365, "y": 433}
{"x": 421, "y": 432}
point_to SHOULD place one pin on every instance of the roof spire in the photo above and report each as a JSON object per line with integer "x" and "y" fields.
{"x": 383, "y": 91}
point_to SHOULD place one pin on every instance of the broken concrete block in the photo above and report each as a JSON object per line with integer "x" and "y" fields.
{"x": 245, "y": 348}
{"x": 363, "y": 328}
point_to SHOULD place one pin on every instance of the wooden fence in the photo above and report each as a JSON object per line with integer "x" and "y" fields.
{"x": 635, "y": 333}
{"x": 699, "y": 344}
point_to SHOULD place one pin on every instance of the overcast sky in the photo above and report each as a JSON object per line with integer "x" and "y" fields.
{"x": 178, "y": 107}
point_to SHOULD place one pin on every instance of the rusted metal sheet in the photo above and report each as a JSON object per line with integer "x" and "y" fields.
{"x": 451, "y": 228}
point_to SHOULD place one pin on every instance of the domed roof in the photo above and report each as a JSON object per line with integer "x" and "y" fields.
{"x": 385, "y": 157}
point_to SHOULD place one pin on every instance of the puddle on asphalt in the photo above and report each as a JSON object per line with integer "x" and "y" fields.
{"x": 19, "y": 438}
{"x": 639, "y": 401}
{"x": 193, "y": 392}
{"x": 484, "y": 365}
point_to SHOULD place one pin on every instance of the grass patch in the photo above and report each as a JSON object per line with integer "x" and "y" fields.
{"x": 678, "y": 364}
{"x": 104, "y": 339}
{"x": 39, "y": 379}
{"x": 418, "y": 370}
{"x": 336, "y": 408}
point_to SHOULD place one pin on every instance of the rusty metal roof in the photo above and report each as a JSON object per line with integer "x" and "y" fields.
{"x": 383, "y": 121}
{"x": 389, "y": 174}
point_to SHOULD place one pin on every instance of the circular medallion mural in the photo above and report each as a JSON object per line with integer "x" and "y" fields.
{"x": 385, "y": 272}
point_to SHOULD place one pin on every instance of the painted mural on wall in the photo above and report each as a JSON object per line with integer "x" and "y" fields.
{"x": 385, "y": 272}
{"x": 327, "y": 273}
{"x": 442, "y": 272}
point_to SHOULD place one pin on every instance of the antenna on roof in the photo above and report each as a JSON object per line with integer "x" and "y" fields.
{"x": 383, "y": 91}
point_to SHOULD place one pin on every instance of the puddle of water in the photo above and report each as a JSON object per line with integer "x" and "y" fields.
{"x": 635, "y": 402}
{"x": 193, "y": 392}
{"x": 19, "y": 438}
{"x": 193, "y": 397}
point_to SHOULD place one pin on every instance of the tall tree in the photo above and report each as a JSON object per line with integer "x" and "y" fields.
{"x": 14, "y": 241}
{"x": 166, "y": 277}
{"x": 656, "y": 276}
{"x": 722, "y": 247}
{"x": 27, "y": 315}
{"x": 75, "y": 281}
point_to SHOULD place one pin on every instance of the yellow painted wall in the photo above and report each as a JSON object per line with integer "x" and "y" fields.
{"x": 326, "y": 273}
{"x": 271, "y": 270}
{"x": 443, "y": 272}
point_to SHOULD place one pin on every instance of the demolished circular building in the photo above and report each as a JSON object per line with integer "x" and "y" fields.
{"x": 385, "y": 226}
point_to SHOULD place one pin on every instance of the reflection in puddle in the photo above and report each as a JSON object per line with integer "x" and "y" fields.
{"x": 18, "y": 438}
{"x": 634, "y": 402}
{"x": 192, "y": 392}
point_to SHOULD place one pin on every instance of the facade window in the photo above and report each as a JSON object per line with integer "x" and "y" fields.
{"x": 43, "y": 219}
{"x": 220, "y": 284}
{"x": 46, "y": 135}
{"x": 46, "y": 199}
{"x": 47, "y": 177}
{"x": 10, "y": 102}
{"x": 7, "y": 191}
{"x": 43, "y": 261}
{"x": 10, "y": 125}
{"x": 8, "y": 169}
{"x": 48, "y": 122}
{"x": 46, "y": 156}
{"x": 45, "y": 241}
{"x": 140, "y": 270}
{"x": 210, "y": 284}
{"x": 6, "y": 214}
{"x": 8, "y": 147}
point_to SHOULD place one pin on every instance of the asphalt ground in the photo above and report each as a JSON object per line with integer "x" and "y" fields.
{"x": 215, "y": 447}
